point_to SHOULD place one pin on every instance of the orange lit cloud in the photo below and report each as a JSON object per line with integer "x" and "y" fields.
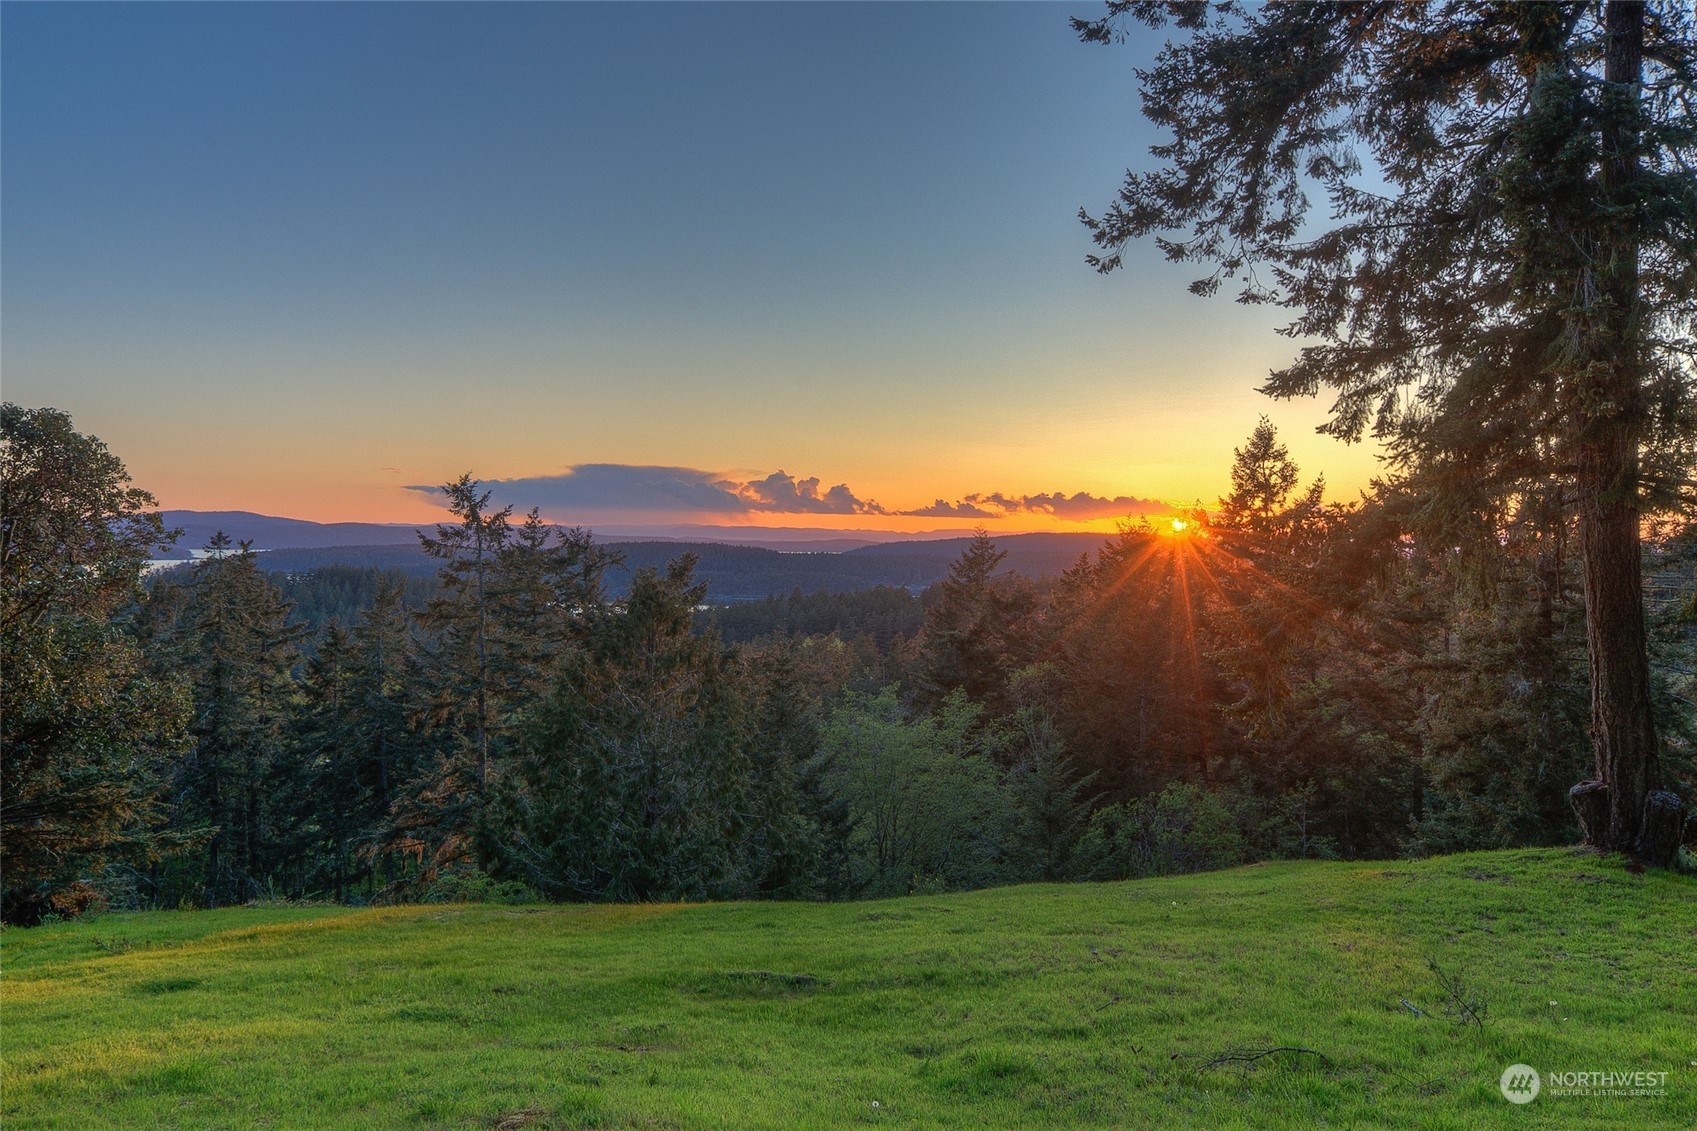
{"x": 598, "y": 491}
{"x": 1079, "y": 507}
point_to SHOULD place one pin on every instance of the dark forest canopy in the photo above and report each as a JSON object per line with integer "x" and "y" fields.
{"x": 1283, "y": 677}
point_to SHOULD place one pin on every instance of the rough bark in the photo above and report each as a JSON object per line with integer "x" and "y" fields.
{"x": 1663, "y": 827}
{"x": 1609, "y": 432}
{"x": 1590, "y": 801}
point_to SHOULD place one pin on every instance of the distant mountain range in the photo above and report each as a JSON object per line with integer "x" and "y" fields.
{"x": 734, "y": 569}
{"x": 270, "y": 533}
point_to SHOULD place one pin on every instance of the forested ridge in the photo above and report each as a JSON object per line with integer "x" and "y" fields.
{"x": 731, "y": 572}
{"x": 1275, "y": 676}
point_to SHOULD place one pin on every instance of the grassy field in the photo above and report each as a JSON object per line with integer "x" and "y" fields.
{"x": 1046, "y": 1006}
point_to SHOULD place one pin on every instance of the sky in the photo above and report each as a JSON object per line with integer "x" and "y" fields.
{"x": 775, "y": 264}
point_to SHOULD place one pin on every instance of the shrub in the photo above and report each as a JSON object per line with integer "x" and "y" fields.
{"x": 76, "y": 900}
{"x": 471, "y": 885}
{"x": 1181, "y": 829}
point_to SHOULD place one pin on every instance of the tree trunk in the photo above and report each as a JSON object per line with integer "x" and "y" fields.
{"x": 1610, "y": 425}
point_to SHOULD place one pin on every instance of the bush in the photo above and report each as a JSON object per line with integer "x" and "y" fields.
{"x": 1181, "y": 829}
{"x": 471, "y": 885}
{"x": 77, "y": 899}
{"x": 925, "y": 799}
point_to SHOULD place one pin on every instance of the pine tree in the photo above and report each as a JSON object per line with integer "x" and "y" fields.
{"x": 1528, "y": 275}
{"x": 547, "y": 585}
{"x": 979, "y": 631}
{"x": 1052, "y": 798}
{"x": 460, "y": 618}
{"x": 355, "y": 745}
{"x": 234, "y": 642}
{"x": 511, "y": 605}
{"x": 634, "y": 778}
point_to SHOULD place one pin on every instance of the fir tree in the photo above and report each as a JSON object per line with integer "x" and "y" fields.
{"x": 234, "y": 642}
{"x": 1519, "y": 302}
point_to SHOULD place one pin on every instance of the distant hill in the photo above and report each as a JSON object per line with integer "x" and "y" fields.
{"x": 268, "y": 533}
{"x": 732, "y": 572}
{"x": 1034, "y": 555}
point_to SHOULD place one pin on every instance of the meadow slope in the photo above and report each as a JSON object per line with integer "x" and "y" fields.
{"x": 1041, "y": 1006}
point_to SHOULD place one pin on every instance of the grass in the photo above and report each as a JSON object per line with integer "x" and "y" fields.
{"x": 1042, "y": 1006}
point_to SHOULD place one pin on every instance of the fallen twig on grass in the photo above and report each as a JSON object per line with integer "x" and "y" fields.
{"x": 1250, "y": 1056}
{"x": 1461, "y": 1006}
{"x": 1424, "y": 1087}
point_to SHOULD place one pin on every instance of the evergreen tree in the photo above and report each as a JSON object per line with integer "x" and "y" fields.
{"x": 233, "y": 640}
{"x": 356, "y": 748}
{"x": 635, "y": 778}
{"x": 1115, "y": 635}
{"x": 1051, "y": 797}
{"x": 460, "y": 620}
{"x": 1530, "y": 272}
{"x": 511, "y": 605}
{"x": 547, "y": 585}
{"x": 1265, "y": 618}
{"x": 978, "y": 632}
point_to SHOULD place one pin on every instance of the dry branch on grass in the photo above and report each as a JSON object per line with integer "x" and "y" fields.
{"x": 1251, "y": 1056}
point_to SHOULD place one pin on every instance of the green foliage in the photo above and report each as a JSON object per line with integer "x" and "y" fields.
{"x": 1512, "y": 314}
{"x": 462, "y": 884}
{"x": 88, "y": 734}
{"x": 883, "y": 613}
{"x": 509, "y": 608}
{"x": 640, "y": 775}
{"x": 356, "y": 745}
{"x": 1122, "y": 687}
{"x": 1284, "y": 678}
{"x": 227, "y": 631}
{"x": 1181, "y": 829}
{"x": 978, "y": 631}
{"x": 86, "y": 729}
{"x": 74, "y": 534}
{"x": 1489, "y": 127}
{"x": 340, "y": 593}
{"x": 922, "y": 796}
{"x": 1504, "y": 736}
{"x": 460, "y": 622}
{"x": 1051, "y": 799}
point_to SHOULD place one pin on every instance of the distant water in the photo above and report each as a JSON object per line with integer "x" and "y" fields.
{"x": 154, "y": 565}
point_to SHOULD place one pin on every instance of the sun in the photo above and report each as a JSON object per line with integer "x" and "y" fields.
{"x": 1176, "y": 526}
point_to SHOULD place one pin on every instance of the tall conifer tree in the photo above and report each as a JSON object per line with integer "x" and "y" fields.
{"x": 1504, "y": 288}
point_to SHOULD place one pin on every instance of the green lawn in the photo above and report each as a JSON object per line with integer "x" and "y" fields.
{"x": 1044, "y": 1006}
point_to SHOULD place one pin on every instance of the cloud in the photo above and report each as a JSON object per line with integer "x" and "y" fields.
{"x": 788, "y": 495}
{"x": 1079, "y": 507}
{"x": 1083, "y": 505}
{"x": 627, "y": 487}
{"x": 621, "y": 488}
{"x": 945, "y": 509}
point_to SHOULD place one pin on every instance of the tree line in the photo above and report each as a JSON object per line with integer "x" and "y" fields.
{"x": 1273, "y": 676}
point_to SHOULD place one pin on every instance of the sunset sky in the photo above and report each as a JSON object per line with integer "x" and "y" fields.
{"x": 804, "y": 265}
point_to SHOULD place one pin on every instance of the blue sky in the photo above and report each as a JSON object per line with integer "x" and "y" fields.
{"x": 298, "y": 258}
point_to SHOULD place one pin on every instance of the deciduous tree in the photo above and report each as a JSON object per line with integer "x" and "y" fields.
{"x": 85, "y": 729}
